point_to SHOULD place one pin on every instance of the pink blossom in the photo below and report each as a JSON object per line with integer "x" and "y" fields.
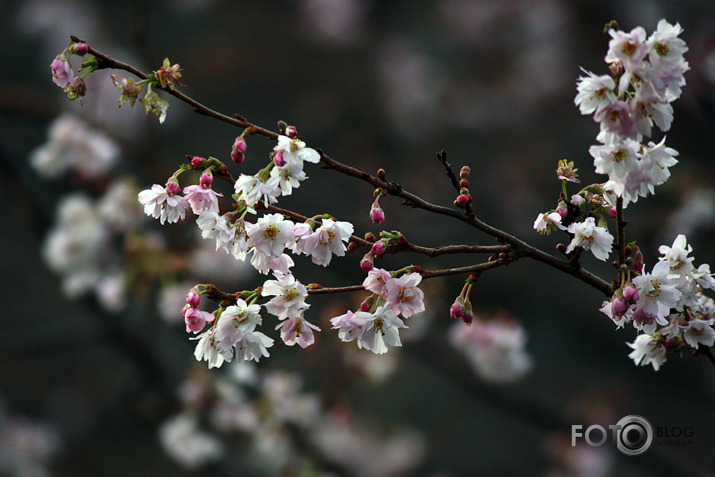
{"x": 376, "y": 281}
{"x": 201, "y": 197}
{"x": 351, "y": 325}
{"x": 161, "y": 204}
{"x": 403, "y": 296}
{"x": 297, "y": 330}
{"x": 196, "y": 319}
{"x": 62, "y": 73}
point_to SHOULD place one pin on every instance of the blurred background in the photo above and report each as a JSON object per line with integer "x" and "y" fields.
{"x": 97, "y": 376}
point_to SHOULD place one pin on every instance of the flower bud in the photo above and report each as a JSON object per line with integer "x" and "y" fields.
{"x": 464, "y": 172}
{"x": 206, "y": 179}
{"x": 237, "y": 157}
{"x": 562, "y": 209}
{"x": 193, "y": 299}
{"x": 457, "y": 309}
{"x": 80, "y": 49}
{"x": 630, "y": 294}
{"x": 367, "y": 303}
{"x": 378, "y": 248}
{"x": 278, "y": 159}
{"x": 462, "y": 200}
{"x": 196, "y": 162}
{"x": 172, "y": 187}
{"x": 464, "y": 183}
{"x": 240, "y": 144}
{"x": 291, "y": 132}
{"x": 619, "y": 307}
{"x": 238, "y": 149}
{"x": 367, "y": 263}
{"x": 377, "y": 215}
{"x": 612, "y": 212}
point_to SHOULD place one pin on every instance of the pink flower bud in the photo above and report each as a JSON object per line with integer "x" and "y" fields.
{"x": 367, "y": 304}
{"x": 278, "y": 159}
{"x": 467, "y": 317}
{"x": 240, "y": 144}
{"x": 206, "y": 179}
{"x": 612, "y": 212}
{"x": 367, "y": 263}
{"x": 630, "y": 294}
{"x": 377, "y": 215}
{"x": 456, "y": 310}
{"x": 196, "y": 162}
{"x": 80, "y": 49}
{"x": 562, "y": 210}
{"x": 378, "y": 248}
{"x": 619, "y": 307}
{"x": 193, "y": 298}
{"x": 237, "y": 157}
{"x": 291, "y": 132}
{"x": 464, "y": 172}
{"x": 462, "y": 200}
{"x": 172, "y": 187}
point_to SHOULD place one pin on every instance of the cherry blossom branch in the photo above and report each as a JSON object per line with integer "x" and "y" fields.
{"x": 521, "y": 248}
{"x": 454, "y": 179}
{"x": 225, "y": 299}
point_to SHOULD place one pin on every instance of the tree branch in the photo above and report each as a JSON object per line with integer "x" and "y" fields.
{"x": 521, "y": 248}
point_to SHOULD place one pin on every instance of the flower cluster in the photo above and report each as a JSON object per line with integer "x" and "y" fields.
{"x": 82, "y": 246}
{"x": 375, "y": 326}
{"x": 647, "y": 74}
{"x": 578, "y": 215}
{"x": 74, "y": 146}
{"x": 494, "y": 347}
{"x": 63, "y": 75}
{"x": 266, "y": 239}
{"x": 263, "y": 410}
{"x": 666, "y": 304}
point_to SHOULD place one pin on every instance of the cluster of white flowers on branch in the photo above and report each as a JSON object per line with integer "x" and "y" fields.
{"x": 646, "y": 76}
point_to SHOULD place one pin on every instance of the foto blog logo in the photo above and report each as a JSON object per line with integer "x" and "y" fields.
{"x": 632, "y": 435}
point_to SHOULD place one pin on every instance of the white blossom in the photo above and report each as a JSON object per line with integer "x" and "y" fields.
{"x": 289, "y": 297}
{"x": 646, "y": 350}
{"x": 589, "y": 236}
{"x": 327, "y": 240}
{"x": 270, "y": 234}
